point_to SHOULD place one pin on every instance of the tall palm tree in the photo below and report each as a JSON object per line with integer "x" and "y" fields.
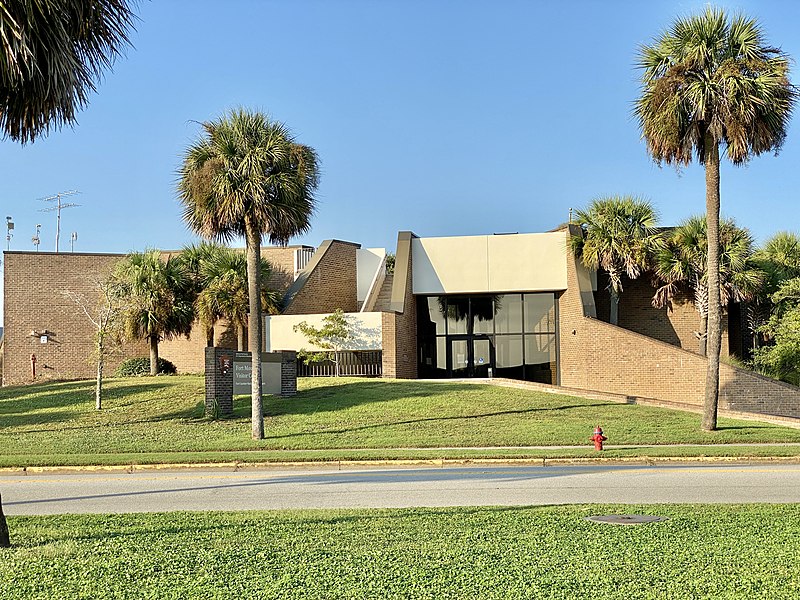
{"x": 709, "y": 82}
{"x": 619, "y": 233}
{"x": 158, "y": 299}
{"x": 682, "y": 259}
{"x": 52, "y": 52}
{"x": 224, "y": 291}
{"x": 246, "y": 176}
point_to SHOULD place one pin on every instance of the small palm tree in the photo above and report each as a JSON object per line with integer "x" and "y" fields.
{"x": 681, "y": 261}
{"x": 618, "y": 236}
{"x": 779, "y": 259}
{"x": 711, "y": 82}
{"x": 246, "y": 176}
{"x": 51, "y": 54}
{"x": 224, "y": 291}
{"x": 158, "y": 299}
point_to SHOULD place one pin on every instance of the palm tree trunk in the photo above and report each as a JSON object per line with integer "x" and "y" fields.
{"x": 702, "y": 341}
{"x": 153, "y": 355}
{"x": 613, "y": 317}
{"x": 5, "y": 542}
{"x": 714, "y": 342}
{"x": 240, "y": 338}
{"x": 210, "y": 336}
{"x": 254, "y": 325}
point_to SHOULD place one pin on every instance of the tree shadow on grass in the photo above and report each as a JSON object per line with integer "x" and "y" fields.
{"x": 385, "y": 424}
{"x": 38, "y": 409}
{"x": 347, "y": 395}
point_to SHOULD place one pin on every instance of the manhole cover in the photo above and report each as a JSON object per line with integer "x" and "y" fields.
{"x": 626, "y": 519}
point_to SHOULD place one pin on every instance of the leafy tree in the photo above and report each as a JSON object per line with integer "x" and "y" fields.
{"x": 246, "y": 176}
{"x": 224, "y": 292}
{"x": 332, "y": 337}
{"x": 708, "y": 82}
{"x": 52, "y": 52}
{"x": 681, "y": 261}
{"x": 158, "y": 300}
{"x": 618, "y": 236}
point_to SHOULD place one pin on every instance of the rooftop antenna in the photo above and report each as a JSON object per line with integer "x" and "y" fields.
{"x": 35, "y": 239}
{"x": 59, "y": 205}
{"x": 9, "y": 235}
{"x": 72, "y": 239}
{"x": 570, "y": 215}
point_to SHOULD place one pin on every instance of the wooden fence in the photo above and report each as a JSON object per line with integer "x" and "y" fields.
{"x": 357, "y": 363}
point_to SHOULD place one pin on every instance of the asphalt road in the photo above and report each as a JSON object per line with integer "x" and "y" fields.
{"x": 155, "y": 491}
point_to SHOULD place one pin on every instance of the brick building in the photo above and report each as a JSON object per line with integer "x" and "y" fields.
{"x": 517, "y": 306}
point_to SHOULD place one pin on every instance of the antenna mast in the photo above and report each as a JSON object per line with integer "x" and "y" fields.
{"x": 59, "y": 205}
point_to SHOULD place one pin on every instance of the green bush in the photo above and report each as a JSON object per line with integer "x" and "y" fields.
{"x": 136, "y": 367}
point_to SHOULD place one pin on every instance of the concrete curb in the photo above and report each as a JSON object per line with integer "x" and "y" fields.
{"x": 441, "y": 463}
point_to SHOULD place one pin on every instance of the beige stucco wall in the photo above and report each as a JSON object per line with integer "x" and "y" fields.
{"x": 490, "y": 263}
{"x": 279, "y": 334}
{"x": 368, "y": 261}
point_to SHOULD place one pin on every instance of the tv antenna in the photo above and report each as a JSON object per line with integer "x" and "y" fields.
{"x": 58, "y": 206}
{"x": 35, "y": 239}
{"x": 72, "y": 239}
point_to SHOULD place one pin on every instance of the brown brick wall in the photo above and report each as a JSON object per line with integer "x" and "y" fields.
{"x": 331, "y": 284}
{"x": 33, "y": 302}
{"x": 598, "y": 356}
{"x": 33, "y": 281}
{"x": 675, "y": 324}
{"x": 400, "y": 327}
{"x": 282, "y": 262}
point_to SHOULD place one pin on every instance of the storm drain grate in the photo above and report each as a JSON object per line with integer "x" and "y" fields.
{"x": 626, "y": 519}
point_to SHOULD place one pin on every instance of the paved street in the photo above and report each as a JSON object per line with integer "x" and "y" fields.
{"x": 149, "y": 491}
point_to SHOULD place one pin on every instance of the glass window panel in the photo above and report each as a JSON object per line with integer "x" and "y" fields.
{"x": 433, "y": 308}
{"x": 508, "y": 313}
{"x": 482, "y": 314}
{"x": 460, "y": 358}
{"x": 540, "y": 358}
{"x": 433, "y": 357}
{"x": 457, "y": 313}
{"x": 540, "y": 313}
{"x": 481, "y": 358}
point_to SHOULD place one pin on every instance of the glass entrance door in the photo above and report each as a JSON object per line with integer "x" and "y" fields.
{"x": 470, "y": 356}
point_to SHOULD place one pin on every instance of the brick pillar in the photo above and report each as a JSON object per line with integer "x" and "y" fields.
{"x": 219, "y": 381}
{"x": 288, "y": 373}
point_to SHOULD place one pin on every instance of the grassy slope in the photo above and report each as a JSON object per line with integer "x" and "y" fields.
{"x": 55, "y": 423}
{"x": 743, "y": 552}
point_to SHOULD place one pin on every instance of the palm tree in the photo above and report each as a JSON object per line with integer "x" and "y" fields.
{"x": 158, "y": 299}
{"x": 246, "y": 176}
{"x": 682, "y": 261}
{"x": 51, "y": 55}
{"x": 193, "y": 258}
{"x": 619, "y": 233}
{"x": 224, "y": 292}
{"x": 711, "y": 81}
{"x": 779, "y": 259}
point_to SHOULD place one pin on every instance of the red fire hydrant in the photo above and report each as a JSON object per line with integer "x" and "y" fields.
{"x": 598, "y": 438}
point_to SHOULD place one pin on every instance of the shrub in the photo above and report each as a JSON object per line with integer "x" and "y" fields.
{"x": 136, "y": 367}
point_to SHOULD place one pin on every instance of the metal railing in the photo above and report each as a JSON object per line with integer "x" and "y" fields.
{"x": 356, "y": 363}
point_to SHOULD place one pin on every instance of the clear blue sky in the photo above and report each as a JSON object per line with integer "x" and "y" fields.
{"x": 442, "y": 117}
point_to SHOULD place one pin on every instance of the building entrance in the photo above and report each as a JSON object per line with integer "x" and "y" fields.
{"x": 470, "y": 356}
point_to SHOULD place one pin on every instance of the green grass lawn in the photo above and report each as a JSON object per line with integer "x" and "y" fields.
{"x": 153, "y": 419}
{"x": 748, "y": 552}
